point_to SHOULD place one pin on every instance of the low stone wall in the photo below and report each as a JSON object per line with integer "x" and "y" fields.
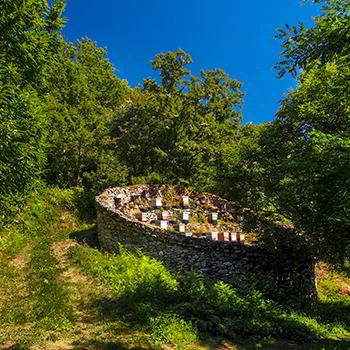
{"x": 225, "y": 261}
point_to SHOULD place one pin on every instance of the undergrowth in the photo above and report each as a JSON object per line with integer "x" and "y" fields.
{"x": 37, "y": 217}
{"x": 148, "y": 295}
{"x": 133, "y": 301}
{"x": 33, "y": 297}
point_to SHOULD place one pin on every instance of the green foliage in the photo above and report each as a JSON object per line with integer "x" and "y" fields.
{"x": 39, "y": 210}
{"x": 53, "y": 18}
{"x": 239, "y": 174}
{"x": 83, "y": 93}
{"x": 23, "y": 42}
{"x": 219, "y": 308}
{"x": 56, "y": 102}
{"x": 177, "y": 128}
{"x": 25, "y": 50}
{"x": 171, "y": 66}
{"x": 168, "y": 328}
{"x": 21, "y": 145}
{"x": 295, "y": 168}
{"x": 310, "y": 144}
{"x": 137, "y": 277}
{"x": 146, "y": 294}
{"x": 327, "y": 41}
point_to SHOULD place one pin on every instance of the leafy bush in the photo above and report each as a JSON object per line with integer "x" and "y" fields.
{"x": 133, "y": 278}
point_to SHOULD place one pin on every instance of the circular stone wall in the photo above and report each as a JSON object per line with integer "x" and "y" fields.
{"x": 134, "y": 218}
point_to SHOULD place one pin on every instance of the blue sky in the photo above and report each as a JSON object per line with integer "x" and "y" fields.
{"x": 233, "y": 35}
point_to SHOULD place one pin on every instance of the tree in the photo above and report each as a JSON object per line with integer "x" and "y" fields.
{"x": 55, "y": 104}
{"x": 307, "y": 147}
{"x": 328, "y": 40}
{"x": 295, "y": 169}
{"x": 24, "y": 43}
{"x": 176, "y": 128}
{"x": 83, "y": 94}
{"x": 314, "y": 191}
{"x": 239, "y": 172}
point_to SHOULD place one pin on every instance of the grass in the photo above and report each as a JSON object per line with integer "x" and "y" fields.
{"x": 51, "y": 297}
{"x": 147, "y": 295}
{"x": 58, "y": 291}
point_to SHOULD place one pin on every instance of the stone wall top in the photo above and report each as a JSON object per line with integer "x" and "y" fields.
{"x": 176, "y": 209}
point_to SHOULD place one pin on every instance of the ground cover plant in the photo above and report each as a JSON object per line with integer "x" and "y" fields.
{"x": 56, "y": 293}
{"x": 147, "y": 291}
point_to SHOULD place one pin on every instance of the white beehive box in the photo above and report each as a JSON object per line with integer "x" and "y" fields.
{"x": 163, "y": 224}
{"x": 182, "y": 227}
{"x": 185, "y": 200}
{"x": 157, "y": 202}
{"x": 212, "y": 235}
{"x": 165, "y": 215}
{"x": 233, "y": 237}
{"x": 185, "y": 216}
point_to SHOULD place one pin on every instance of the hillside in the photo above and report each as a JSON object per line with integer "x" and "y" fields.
{"x": 71, "y": 128}
{"x": 58, "y": 291}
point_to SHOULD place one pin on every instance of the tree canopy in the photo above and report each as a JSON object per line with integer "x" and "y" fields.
{"x": 176, "y": 128}
{"x": 307, "y": 175}
{"x": 328, "y": 40}
{"x": 66, "y": 119}
{"x": 24, "y": 43}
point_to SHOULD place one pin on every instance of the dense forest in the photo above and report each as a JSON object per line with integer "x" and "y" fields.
{"x": 67, "y": 120}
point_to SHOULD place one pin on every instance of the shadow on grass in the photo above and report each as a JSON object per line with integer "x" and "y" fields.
{"x": 332, "y": 312}
{"x": 140, "y": 309}
{"x": 87, "y": 237}
{"x": 327, "y": 344}
{"x": 281, "y": 344}
{"x": 106, "y": 345}
{"x": 288, "y": 345}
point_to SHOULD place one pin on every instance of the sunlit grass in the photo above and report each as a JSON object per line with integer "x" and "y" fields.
{"x": 146, "y": 294}
{"x": 133, "y": 301}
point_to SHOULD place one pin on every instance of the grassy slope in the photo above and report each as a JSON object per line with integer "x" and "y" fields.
{"x": 59, "y": 292}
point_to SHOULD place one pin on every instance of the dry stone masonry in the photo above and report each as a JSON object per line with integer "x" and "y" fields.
{"x": 186, "y": 231}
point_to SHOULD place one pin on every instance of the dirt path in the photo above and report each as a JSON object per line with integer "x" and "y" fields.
{"x": 92, "y": 323}
{"x": 15, "y": 303}
{"x": 83, "y": 292}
